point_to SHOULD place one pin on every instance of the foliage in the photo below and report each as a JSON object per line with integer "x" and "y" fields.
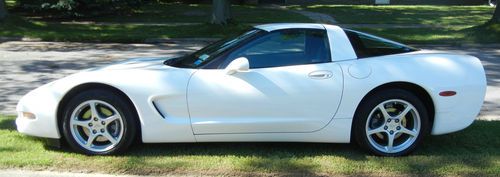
{"x": 78, "y": 8}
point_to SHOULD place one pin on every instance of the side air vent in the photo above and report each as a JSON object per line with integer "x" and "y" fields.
{"x": 158, "y": 110}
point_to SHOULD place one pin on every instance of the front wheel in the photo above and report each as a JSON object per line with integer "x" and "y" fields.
{"x": 391, "y": 123}
{"x": 99, "y": 122}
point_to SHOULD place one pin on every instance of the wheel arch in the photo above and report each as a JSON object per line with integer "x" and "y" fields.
{"x": 408, "y": 86}
{"x": 88, "y": 86}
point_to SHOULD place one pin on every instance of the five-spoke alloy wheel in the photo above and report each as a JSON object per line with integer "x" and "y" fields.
{"x": 391, "y": 123}
{"x": 99, "y": 122}
{"x": 96, "y": 125}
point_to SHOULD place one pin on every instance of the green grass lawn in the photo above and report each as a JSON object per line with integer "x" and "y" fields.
{"x": 481, "y": 34}
{"x": 19, "y": 24}
{"x": 429, "y": 15}
{"x": 158, "y": 12}
{"x": 464, "y": 23}
{"x": 472, "y": 152}
{"x": 201, "y": 13}
{"x": 19, "y": 27}
{"x": 10, "y": 3}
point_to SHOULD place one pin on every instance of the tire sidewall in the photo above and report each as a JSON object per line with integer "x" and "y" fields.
{"x": 129, "y": 119}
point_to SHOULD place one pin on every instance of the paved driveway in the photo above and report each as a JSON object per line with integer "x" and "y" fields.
{"x": 27, "y": 65}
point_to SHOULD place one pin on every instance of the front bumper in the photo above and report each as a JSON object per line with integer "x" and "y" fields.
{"x": 41, "y": 102}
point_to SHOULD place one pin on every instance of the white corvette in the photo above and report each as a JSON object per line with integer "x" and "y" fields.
{"x": 277, "y": 82}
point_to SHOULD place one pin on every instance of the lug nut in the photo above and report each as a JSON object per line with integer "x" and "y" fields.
{"x": 90, "y": 125}
{"x": 398, "y": 128}
{"x": 397, "y": 120}
{"x": 95, "y": 118}
{"x": 94, "y": 131}
{"x": 388, "y": 120}
{"x": 391, "y": 132}
{"x": 385, "y": 128}
{"x": 102, "y": 130}
{"x": 103, "y": 123}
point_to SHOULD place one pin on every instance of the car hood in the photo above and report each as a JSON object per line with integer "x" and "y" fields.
{"x": 149, "y": 63}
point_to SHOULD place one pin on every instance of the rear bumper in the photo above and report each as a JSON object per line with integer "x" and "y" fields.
{"x": 462, "y": 111}
{"x": 461, "y": 114}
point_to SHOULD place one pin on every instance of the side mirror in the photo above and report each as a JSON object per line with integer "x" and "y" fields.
{"x": 238, "y": 65}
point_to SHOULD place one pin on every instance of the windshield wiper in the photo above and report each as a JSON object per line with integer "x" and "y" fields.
{"x": 172, "y": 61}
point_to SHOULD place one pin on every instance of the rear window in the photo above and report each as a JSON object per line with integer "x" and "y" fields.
{"x": 366, "y": 45}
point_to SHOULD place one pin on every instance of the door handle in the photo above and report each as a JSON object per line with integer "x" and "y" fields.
{"x": 320, "y": 74}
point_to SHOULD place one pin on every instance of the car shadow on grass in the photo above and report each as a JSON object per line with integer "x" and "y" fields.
{"x": 470, "y": 152}
{"x": 7, "y": 124}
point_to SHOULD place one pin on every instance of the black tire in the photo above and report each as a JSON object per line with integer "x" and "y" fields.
{"x": 369, "y": 104}
{"x": 128, "y": 123}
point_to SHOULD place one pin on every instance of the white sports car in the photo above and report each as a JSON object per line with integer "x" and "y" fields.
{"x": 286, "y": 82}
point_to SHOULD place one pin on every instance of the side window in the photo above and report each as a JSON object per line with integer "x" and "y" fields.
{"x": 370, "y": 46}
{"x": 285, "y": 48}
{"x": 276, "y": 43}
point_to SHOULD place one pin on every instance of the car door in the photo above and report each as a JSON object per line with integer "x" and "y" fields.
{"x": 292, "y": 86}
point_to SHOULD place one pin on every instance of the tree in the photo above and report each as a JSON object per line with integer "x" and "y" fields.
{"x": 221, "y": 12}
{"x": 496, "y": 15}
{"x": 3, "y": 10}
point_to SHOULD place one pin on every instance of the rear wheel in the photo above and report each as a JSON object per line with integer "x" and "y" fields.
{"x": 99, "y": 122}
{"x": 391, "y": 123}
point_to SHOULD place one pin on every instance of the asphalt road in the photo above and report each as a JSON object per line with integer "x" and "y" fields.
{"x": 27, "y": 65}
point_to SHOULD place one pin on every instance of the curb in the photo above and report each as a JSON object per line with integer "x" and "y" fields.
{"x": 176, "y": 40}
{"x": 20, "y": 38}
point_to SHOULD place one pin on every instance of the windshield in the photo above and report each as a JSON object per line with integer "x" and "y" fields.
{"x": 210, "y": 52}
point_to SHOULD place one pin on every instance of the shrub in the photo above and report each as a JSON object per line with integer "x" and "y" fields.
{"x": 78, "y": 8}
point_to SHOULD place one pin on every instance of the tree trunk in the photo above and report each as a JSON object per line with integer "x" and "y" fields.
{"x": 496, "y": 15}
{"x": 3, "y": 10}
{"x": 221, "y": 12}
